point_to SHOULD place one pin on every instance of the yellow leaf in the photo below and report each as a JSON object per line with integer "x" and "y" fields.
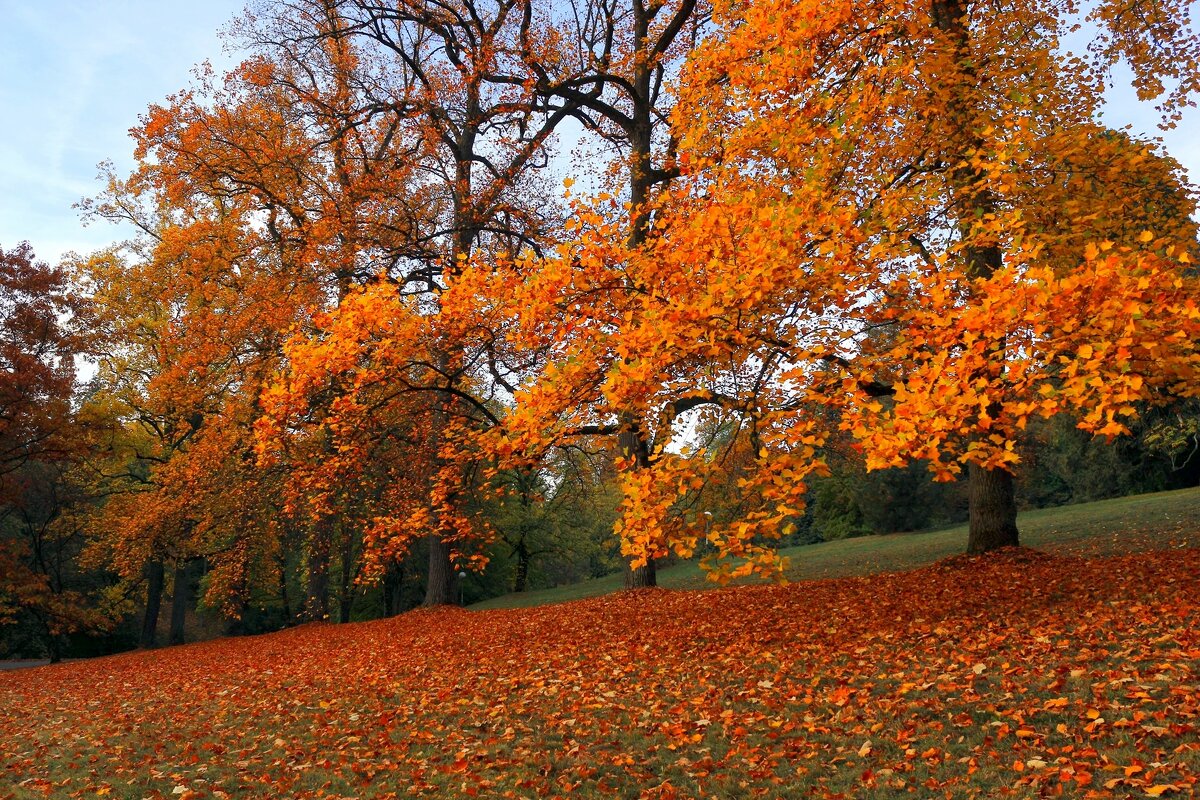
{"x": 1161, "y": 789}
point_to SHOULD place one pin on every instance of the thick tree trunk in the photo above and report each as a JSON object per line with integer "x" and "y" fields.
{"x": 993, "y": 510}
{"x": 439, "y": 590}
{"x": 154, "y": 591}
{"x": 992, "y": 495}
{"x": 181, "y": 599}
{"x": 644, "y": 577}
{"x": 316, "y": 599}
{"x": 641, "y": 183}
{"x": 439, "y": 586}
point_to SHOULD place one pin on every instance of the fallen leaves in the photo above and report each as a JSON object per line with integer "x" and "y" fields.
{"x": 1089, "y": 690}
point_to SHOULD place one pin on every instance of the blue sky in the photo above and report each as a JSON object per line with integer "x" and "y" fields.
{"x": 75, "y": 75}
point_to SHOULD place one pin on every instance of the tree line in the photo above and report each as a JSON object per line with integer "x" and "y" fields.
{"x": 372, "y": 313}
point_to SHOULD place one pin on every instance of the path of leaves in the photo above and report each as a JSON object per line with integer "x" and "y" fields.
{"x": 1018, "y": 675}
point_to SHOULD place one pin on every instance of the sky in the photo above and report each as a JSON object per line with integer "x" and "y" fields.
{"x": 75, "y": 75}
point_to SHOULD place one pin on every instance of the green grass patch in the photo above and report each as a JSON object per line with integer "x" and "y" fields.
{"x": 1106, "y": 527}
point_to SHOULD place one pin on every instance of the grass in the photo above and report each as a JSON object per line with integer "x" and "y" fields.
{"x": 1140, "y": 522}
{"x": 1024, "y": 674}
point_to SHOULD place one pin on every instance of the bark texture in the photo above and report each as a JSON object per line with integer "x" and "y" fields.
{"x": 182, "y": 596}
{"x": 993, "y": 510}
{"x": 154, "y": 592}
{"x": 643, "y": 577}
{"x": 439, "y": 590}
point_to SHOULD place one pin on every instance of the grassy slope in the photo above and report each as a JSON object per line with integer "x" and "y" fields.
{"x": 1110, "y": 526}
{"x": 1017, "y": 675}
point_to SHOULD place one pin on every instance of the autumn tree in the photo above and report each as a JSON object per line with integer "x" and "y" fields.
{"x": 251, "y": 199}
{"x": 38, "y": 347}
{"x": 406, "y": 376}
{"x": 40, "y": 442}
{"x": 869, "y": 241}
{"x": 568, "y": 308}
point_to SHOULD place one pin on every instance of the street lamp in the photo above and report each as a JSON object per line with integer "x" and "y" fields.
{"x": 462, "y": 577}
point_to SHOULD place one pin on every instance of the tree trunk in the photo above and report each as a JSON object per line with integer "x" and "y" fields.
{"x": 393, "y": 585}
{"x": 992, "y": 496}
{"x": 284, "y": 598}
{"x": 641, "y": 182}
{"x": 439, "y": 586}
{"x": 644, "y": 577}
{"x": 154, "y": 591}
{"x": 53, "y": 641}
{"x": 439, "y": 590}
{"x": 993, "y": 510}
{"x": 181, "y": 597}
{"x": 521, "y": 582}
{"x": 316, "y": 601}
{"x": 346, "y": 588}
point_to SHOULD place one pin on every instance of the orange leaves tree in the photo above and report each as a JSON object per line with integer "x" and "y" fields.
{"x": 894, "y": 223}
{"x": 411, "y": 385}
{"x": 568, "y": 309}
{"x": 902, "y": 221}
{"x": 256, "y": 199}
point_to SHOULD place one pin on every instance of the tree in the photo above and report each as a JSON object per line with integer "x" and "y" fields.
{"x": 566, "y": 309}
{"x": 41, "y": 510}
{"x": 259, "y": 197}
{"x": 1174, "y": 434}
{"x": 46, "y": 588}
{"x": 37, "y": 358}
{"x": 425, "y": 380}
{"x": 554, "y": 522}
{"x": 862, "y": 244}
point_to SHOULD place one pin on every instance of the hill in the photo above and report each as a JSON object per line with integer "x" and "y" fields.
{"x": 1120, "y": 525}
{"x": 1023, "y": 674}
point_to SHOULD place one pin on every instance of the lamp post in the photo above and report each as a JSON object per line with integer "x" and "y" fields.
{"x": 462, "y": 577}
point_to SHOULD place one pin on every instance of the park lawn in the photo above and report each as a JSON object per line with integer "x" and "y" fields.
{"x": 1109, "y": 527}
{"x": 1021, "y": 674}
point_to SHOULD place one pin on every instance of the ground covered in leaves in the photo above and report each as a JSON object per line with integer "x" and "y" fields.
{"x": 1017, "y": 675}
